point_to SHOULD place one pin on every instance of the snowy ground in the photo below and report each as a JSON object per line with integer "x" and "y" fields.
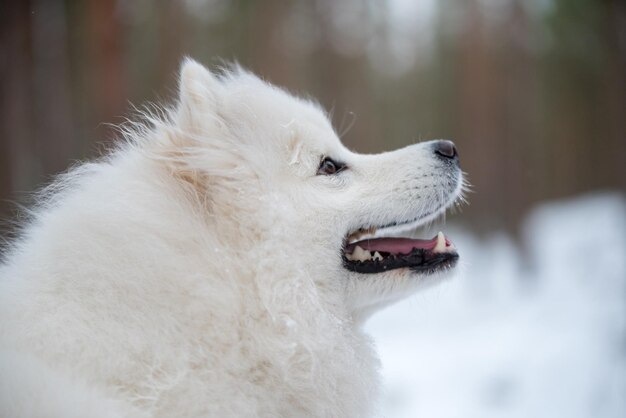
{"x": 533, "y": 332}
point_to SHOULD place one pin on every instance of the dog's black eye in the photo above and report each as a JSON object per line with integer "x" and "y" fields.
{"x": 328, "y": 167}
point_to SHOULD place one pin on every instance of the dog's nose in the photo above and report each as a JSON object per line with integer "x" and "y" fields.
{"x": 446, "y": 149}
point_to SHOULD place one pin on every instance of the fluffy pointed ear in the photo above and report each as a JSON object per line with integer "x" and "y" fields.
{"x": 199, "y": 94}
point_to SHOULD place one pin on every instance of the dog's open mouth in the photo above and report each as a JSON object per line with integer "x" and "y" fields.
{"x": 377, "y": 255}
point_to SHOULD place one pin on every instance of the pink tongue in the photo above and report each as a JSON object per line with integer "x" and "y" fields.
{"x": 394, "y": 245}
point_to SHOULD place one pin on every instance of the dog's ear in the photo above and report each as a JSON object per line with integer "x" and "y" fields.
{"x": 197, "y": 147}
{"x": 199, "y": 95}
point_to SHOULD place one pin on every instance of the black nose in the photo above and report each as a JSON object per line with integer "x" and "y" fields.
{"x": 446, "y": 149}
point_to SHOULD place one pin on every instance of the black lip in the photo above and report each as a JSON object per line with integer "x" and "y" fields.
{"x": 419, "y": 261}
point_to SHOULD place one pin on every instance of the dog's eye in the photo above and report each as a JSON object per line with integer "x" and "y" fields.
{"x": 328, "y": 167}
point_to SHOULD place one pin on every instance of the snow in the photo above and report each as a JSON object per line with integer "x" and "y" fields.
{"x": 537, "y": 331}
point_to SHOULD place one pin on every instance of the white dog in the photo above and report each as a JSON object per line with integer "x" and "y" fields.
{"x": 220, "y": 263}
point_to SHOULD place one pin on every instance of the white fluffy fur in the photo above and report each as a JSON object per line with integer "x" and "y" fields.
{"x": 196, "y": 271}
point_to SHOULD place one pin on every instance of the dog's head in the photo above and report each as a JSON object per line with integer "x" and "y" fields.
{"x": 273, "y": 164}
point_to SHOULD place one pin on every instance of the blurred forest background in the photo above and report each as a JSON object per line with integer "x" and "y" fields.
{"x": 533, "y": 92}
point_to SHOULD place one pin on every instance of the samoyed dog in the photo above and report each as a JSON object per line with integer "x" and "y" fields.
{"x": 219, "y": 263}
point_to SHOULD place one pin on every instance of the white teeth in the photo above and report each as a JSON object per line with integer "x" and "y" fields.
{"x": 359, "y": 254}
{"x": 441, "y": 243}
